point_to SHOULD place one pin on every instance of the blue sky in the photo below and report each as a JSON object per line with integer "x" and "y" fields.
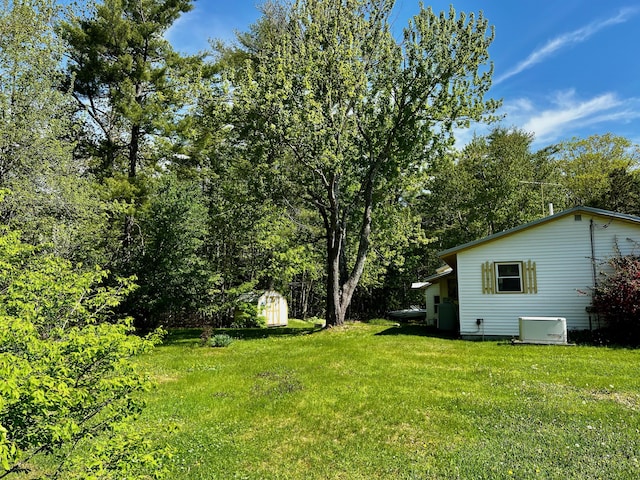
{"x": 563, "y": 69}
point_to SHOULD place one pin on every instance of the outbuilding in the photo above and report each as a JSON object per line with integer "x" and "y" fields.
{"x": 269, "y": 304}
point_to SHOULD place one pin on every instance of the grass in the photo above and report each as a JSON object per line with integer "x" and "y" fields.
{"x": 379, "y": 401}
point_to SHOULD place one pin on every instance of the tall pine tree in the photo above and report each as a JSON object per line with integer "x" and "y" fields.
{"x": 131, "y": 88}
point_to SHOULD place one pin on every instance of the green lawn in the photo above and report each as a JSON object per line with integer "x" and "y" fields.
{"x": 377, "y": 401}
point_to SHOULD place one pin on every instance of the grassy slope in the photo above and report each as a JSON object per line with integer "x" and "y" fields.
{"x": 372, "y": 401}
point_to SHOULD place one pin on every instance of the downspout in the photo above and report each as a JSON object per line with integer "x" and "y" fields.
{"x": 593, "y": 261}
{"x": 593, "y": 252}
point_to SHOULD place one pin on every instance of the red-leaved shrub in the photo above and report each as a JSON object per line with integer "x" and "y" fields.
{"x": 617, "y": 297}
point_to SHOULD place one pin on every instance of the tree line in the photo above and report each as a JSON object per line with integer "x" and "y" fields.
{"x": 313, "y": 155}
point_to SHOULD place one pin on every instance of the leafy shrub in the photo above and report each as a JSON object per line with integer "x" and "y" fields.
{"x": 67, "y": 384}
{"x": 220, "y": 340}
{"x": 247, "y": 316}
{"x": 617, "y": 297}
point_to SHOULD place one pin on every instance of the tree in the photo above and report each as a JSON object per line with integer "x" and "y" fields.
{"x": 622, "y": 192}
{"x": 495, "y": 183}
{"x": 346, "y": 113}
{"x": 397, "y": 257}
{"x": 259, "y": 235}
{"x": 256, "y": 241}
{"x": 50, "y": 199}
{"x": 132, "y": 91}
{"x": 68, "y": 388}
{"x": 590, "y": 164}
{"x": 29, "y": 96}
{"x": 136, "y": 97}
{"x": 170, "y": 265}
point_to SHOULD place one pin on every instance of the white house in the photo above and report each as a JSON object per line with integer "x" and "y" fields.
{"x": 545, "y": 268}
{"x": 435, "y": 293}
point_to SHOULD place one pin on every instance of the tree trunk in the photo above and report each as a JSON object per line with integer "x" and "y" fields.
{"x": 340, "y": 289}
{"x": 134, "y": 147}
{"x": 335, "y": 313}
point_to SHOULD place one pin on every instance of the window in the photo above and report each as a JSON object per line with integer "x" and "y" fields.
{"x": 436, "y": 303}
{"x": 509, "y": 277}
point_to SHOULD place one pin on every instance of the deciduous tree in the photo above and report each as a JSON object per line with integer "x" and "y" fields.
{"x": 589, "y": 166}
{"x": 495, "y": 183}
{"x": 50, "y": 198}
{"x": 347, "y": 112}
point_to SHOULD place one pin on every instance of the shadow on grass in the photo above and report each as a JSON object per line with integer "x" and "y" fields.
{"x": 191, "y": 335}
{"x": 418, "y": 330}
{"x": 609, "y": 338}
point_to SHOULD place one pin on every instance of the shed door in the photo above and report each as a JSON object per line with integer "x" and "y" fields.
{"x": 271, "y": 311}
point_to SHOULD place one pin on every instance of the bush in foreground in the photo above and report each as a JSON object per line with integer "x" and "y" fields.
{"x": 67, "y": 388}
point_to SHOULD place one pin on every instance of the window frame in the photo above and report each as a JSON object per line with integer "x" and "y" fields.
{"x": 498, "y": 277}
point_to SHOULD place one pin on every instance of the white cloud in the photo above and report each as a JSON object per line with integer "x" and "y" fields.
{"x": 464, "y": 136}
{"x": 566, "y": 40}
{"x": 567, "y": 111}
{"x": 561, "y": 117}
{"x": 518, "y": 106}
{"x": 567, "y": 114}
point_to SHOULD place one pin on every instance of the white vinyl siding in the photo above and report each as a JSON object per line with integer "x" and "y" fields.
{"x": 560, "y": 253}
{"x": 432, "y": 299}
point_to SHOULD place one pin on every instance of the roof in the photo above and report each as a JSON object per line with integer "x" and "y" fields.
{"x": 449, "y": 255}
{"x": 442, "y": 273}
{"x": 254, "y": 295}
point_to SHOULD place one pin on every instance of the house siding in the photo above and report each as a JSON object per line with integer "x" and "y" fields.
{"x": 561, "y": 250}
{"x": 431, "y": 292}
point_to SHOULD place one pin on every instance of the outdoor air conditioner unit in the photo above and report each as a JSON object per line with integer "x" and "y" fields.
{"x": 546, "y": 330}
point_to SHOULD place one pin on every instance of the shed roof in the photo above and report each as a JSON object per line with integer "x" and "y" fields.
{"x": 254, "y": 295}
{"x": 449, "y": 255}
